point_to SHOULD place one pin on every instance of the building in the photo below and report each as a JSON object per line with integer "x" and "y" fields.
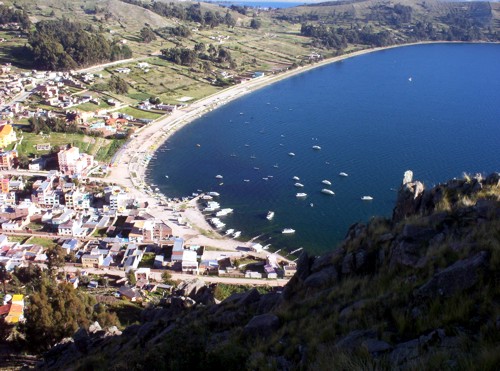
{"x": 7, "y": 135}
{"x": 189, "y": 262}
{"x": 8, "y": 160}
{"x": 72, "y": 162}
{"x": 92, "y": 261}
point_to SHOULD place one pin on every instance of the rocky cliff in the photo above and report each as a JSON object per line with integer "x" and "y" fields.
{"x": 417, "y": 291}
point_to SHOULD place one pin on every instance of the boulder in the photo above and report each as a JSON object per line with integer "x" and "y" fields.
{"x": 322, "y": 278}
{"x": 404, "y": 352}
{"x": 405, "y": 253}
{"x": 190, "y": 287}
{"x": 350, "y": 309}
{"x": 113, "y": 331}
{"x": 375, "y": 346}
{"x": 303, "y": 266}
{"x": 262, "y": 325}
{"x": 348, "y": 263}
{"x": 459, "y": 276}
{"x": 413, "y": 232}
{"x": 267, "y": 302}
{"x": 94, "y": 327}
{"x": 330, "y": 258}
{"x": 353, "y": 340}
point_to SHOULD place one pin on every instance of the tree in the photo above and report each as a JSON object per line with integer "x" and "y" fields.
{"x": 118, "y": 85}
{"x": 131, "y": 277}
{"x": 166, "y": 276}
{"x": 147, "y": 35}
{"x": 23, "y": 160}
{"x": 255, "y": 23}
{"x": 55, "y": 258}
{"x": 4, "y": 276}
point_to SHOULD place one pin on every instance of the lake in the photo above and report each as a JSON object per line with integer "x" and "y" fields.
{"x": 434, "y": 109}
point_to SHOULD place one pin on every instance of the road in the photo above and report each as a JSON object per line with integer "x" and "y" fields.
{"x": 156, "y": 276}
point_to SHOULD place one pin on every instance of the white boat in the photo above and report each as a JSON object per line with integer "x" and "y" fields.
{"x": 270, "y": 215}
{"x": 275, "y": 166}
{"x": 343, "y": 174}
{"x": 301, "y": 194}
{"x": 214, "y": 194}
{"x": 327, "y": 182}
{"x": 296, "y": 178}
{"x": 219, "y": 177}
{"x": 253, "y": 156}
{"x": 236, "y": 234}
{"x": 299, "y": 185}
{"x": 291, "y": 154}
{"x": 265, "y": 178}
{"x": 223, "y": 212}
{"x": 367, "y": 198}
{"x": 256, "y": 168}
{"x": 311, "y": 204}
{"x": 327, "y": 191}
{"x": 230, "y": 231}
{"x": 288, "y": 231}
{"x": 246, "y": 180}
{"x": 317, "y": 148}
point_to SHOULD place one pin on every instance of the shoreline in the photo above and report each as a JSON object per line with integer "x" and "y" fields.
{"x": 132, "y": 159}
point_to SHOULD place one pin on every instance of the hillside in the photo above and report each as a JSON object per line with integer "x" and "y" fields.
{"x": 417, "y": 291}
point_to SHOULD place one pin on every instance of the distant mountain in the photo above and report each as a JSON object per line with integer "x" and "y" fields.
{"x": 417, "y": 291}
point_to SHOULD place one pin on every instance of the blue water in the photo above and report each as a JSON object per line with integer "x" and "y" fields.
{"x": 371, "y": 122}
{"x": 260, "y": 4}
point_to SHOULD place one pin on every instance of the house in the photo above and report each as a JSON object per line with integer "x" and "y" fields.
{"x": 159, "y": 262}
{"x": 70, "y": 245}
{"x": 177, "y": 250}
{"x": 8, "y": 160}
{"x": 142, "y": 274}
{"x": 92, "y": 261}
{"x": 7, "y": 135}
{"x": 16, "y": 312}
{"x": 129, "y": 293}
{"x": 72, "y": 162}
{"x": 74, "y": 282}
{"x": 189, "y": 262}
{"x": 93, "y": 285}
{"x": 270, "y": 272}
{"x": 290, "y": 270}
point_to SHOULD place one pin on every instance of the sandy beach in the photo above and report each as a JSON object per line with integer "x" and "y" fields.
{"x": 131, "y": 162}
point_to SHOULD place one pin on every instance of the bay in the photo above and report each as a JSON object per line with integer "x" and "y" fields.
{"x": 434, "y": 109}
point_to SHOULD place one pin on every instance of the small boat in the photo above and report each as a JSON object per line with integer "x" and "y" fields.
{"x": 299, "y": 185}
{"x": 166, "y": 176}
{"x": 230, "y": 231}
{"x": 291, "y": 154}
{"x": 300, "y": 194}
{"x": 219, "y": 176}
{"x": 296, "y": 178}
{"x": 311, "y": 204}
{"x": 317, "y": 148}
{"x": 410, "y": 79}
{"x": 327, "y": 182}
{"x": 265, "y": 178}
{"x": 288, "y": 231}
{"x": 246, "y": 180}
{"x": 275, "y": 166}
{"x": 253, "y": 157}
{"x": 256, "y": 168}
{"x": 327, "y": 191}
{"x": 214, "y": 194}
{"x": 270, "y": 215}
{"x": 198, "y": 145}
{"x": 367, "y": 198}
{"x": 343, "y": 174}
{"x": 247, "y": 145}
{"x": 236, "y": 234}
{"x": 221, "y": 183}
{"x": 233, "y": 155}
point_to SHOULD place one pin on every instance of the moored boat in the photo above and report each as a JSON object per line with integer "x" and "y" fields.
{"x": 327, "y": 182}
{"x": 317, "y": 148}
{"x": 288, "y": 231}
{"x": 343, "y": 174}
{"x": 367, "y": 198}
{"x": 299, "y": 185}
{"x": 291, "y": 154}
{"x": 270, "y": 215}
{"x": 327, "y": 191}
{"x": 300, "y": 194}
